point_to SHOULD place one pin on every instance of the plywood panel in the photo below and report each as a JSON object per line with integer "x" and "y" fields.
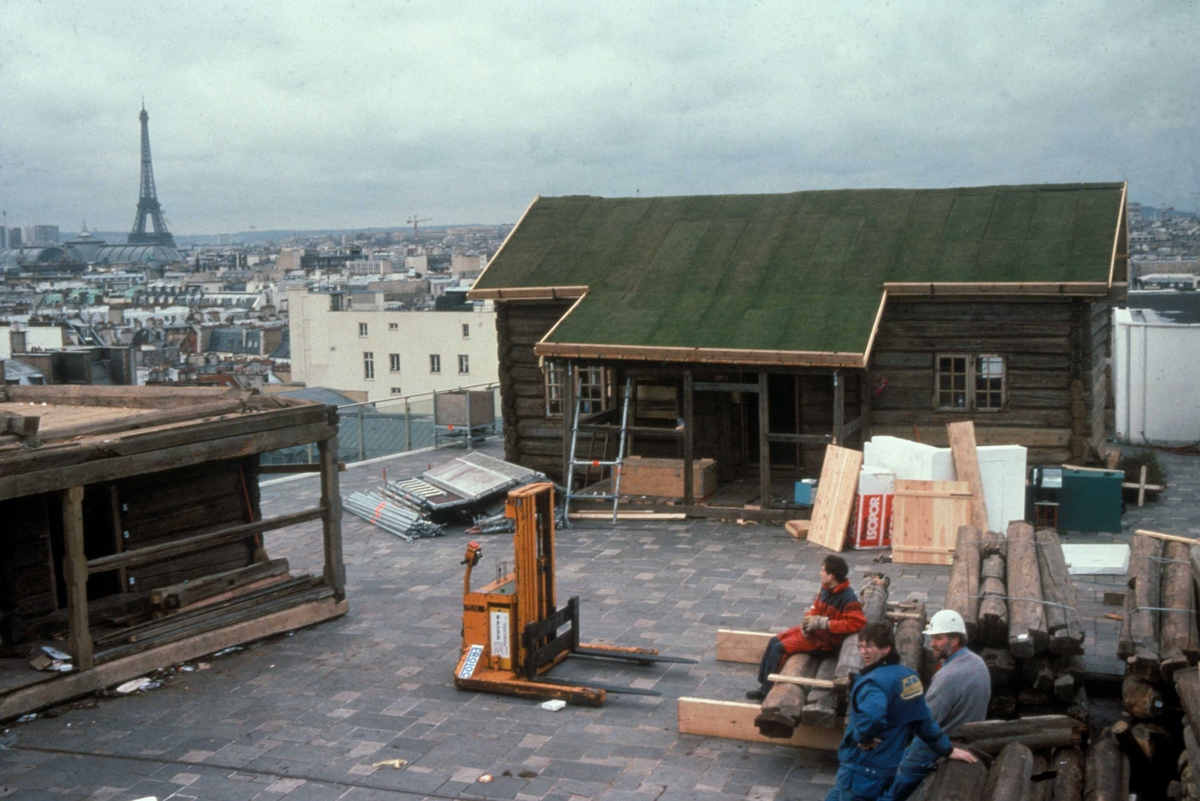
{"x": 835, "y": 497}
{"x": 925, "y": 520}
{"x": 966, "y": 468}
{"x": 734, "y": 720}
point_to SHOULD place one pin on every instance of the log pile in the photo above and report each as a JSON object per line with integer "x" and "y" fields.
{"x": 1158, "y": 635}
{"x": 1040, "y": 757}
{"x": 1018, "y": 602}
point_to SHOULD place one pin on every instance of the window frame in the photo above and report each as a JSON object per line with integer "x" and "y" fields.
{"x": 971, "y": 375}
{"x": 597, "y": 390}
{"x": 363, "y": 330}
{"x": 464, "y": 364}
{"x": 394, "y": 362}
{"x": 466, "y": 330}
{"x": 368, "y": 365}
{"x": 435, "y": 363}
{"x": 393, "y": 326}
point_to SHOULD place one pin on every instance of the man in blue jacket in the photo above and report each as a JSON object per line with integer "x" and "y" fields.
{"x": 887, "y": 708}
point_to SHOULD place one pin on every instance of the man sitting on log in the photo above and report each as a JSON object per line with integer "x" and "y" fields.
{"x": 959, "y": 693}
{"x": 834, "y": 615}
{"x": 887, "y": 708}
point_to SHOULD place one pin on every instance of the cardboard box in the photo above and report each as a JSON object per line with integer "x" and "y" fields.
{"x": 872, "y": 523}
{"x": 663, "y": 478}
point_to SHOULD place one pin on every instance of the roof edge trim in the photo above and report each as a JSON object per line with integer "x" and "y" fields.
{"x": 934, "y": 289}
{"x": 529, "y": 293}
{"x": 782, "y": 358}
{"x": 1122, "y": 218}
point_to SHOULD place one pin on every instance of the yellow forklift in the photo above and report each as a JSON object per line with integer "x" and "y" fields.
{"x": 511, "y": 626}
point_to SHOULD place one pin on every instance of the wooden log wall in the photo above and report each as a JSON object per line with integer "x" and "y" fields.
{"x": 530, "y": 438}
{"x": 161, "y": 507}
{"x": 28, "y": 570}
{"x": 1056, "y": 384}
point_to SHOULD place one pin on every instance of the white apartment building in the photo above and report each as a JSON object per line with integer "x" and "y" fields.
{"x": 389, "y": 353}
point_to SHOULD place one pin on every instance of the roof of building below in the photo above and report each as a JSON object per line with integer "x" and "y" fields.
{"x": 799, "y": 272}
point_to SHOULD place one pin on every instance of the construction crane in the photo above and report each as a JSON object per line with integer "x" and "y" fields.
{"x": 415, "y": 220}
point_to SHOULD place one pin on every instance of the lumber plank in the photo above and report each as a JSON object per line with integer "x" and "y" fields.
{"x": 71, "y": 685}
{"x": 966, "y": 468}
{"x": 331, "y": 521}
{"x": 189, "y": 592}
{"x": 835, "y": 497}
{"x": 745, "y": 647}
{"x": 735, "y": 721}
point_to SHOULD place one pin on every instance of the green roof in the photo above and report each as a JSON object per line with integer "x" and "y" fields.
{"x": 792, "y": 272}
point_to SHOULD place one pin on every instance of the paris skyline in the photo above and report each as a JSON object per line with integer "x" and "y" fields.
{"x": 302, "y": 116}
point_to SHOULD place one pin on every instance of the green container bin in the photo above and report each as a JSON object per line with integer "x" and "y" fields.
{"x": 1090, "y": 500}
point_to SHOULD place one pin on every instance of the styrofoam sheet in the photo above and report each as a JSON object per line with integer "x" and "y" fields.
{"x": 1100, "y": 559}
{"x": 1001, "y": 467}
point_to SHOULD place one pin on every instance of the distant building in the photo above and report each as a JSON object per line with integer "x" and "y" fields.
{"x": 14, "y": 238}
{"x": 388, "y": 353}
{"x": 41, "y": 235}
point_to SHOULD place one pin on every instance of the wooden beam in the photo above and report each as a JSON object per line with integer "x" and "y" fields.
{"x": 182, "y": 413}
{"x": 529, "y": 293}
{"x": 70, "y": 685}
{"x": 764, "y": 443}
{"x": 966, "y": 468}
{"x": 331, "y": 520}
{"x": 689, "y": 438}
{"x": 839, "y": 407}
{"x": 127, "y": 396}
{"x": 723, "y": 386}
{"x": 744, "y": 647}
{"x": 568, "y": 418}
{"x": 851, "y": 427}
{"x": 874, "y": 329}
{"x": 75, "y": 574}
{"x": 802, "y": 681}
{"x": 735, "y": 721}
{"x": 802, "y": 439}
{"x": 296, "y": 468}
{"x": 155, "y": 553}
{"x": 1168, "y": 537}
{"x": 628, "y": 515}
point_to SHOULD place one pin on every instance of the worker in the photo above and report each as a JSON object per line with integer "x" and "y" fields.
{"x": 959, "y": 693}
{"x": 834, "y": 615}
{"x": 887, "y": 707}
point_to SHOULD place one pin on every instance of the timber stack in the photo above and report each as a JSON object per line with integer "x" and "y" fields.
{"x": 1158, "y": 635}
{"x": 1017, "y": 599}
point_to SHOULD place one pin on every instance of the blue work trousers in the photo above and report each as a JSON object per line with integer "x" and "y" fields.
{"x": 859, "y": 783}
{"x": 918, "y": 760}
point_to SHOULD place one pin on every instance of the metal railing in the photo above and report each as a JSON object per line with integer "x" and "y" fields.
{"x": 373, "y": 429}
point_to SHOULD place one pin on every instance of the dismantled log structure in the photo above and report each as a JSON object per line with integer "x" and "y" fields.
{"x": 962, "y": 595}
{"x": 1027, "y": 633}
{"x": 134, "y": 492}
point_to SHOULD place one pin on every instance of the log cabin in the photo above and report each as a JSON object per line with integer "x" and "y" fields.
{"x": 757, "y": 329}
{"x": 109, "y": 494}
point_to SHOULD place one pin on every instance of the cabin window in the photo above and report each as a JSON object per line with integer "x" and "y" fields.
{"x": 970, "y": 382}
{"x": 593, "y": 388}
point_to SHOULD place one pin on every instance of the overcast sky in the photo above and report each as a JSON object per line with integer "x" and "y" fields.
{"x": 299, "y": 115}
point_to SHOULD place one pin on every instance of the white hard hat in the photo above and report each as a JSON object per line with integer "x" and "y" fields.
{"x": 946, "y": 621}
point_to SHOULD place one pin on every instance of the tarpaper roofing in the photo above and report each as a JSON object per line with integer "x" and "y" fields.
{"x": 792, "y": 272}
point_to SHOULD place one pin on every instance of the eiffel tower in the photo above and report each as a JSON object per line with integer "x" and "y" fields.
{"x": 148, "y": 199}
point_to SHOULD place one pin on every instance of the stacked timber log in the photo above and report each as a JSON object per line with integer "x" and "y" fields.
{"x": 1037, "y": 757}
{"x": 789, "y": 705}
{"x": 1016, "y": 597}
{"x": 1158, "y": 633}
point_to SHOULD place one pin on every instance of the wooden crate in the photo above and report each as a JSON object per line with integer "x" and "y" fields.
{"x": 663, "y": 478}
{"x": 925, "y": 520}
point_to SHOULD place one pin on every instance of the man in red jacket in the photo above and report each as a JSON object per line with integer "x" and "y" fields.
{"x": 833, "y": 616}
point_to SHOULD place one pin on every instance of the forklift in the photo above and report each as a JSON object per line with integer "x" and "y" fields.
{"x": 511, "y": 625}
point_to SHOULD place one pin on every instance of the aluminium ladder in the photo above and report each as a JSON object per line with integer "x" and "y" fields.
{"x": 615, "y": 464}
